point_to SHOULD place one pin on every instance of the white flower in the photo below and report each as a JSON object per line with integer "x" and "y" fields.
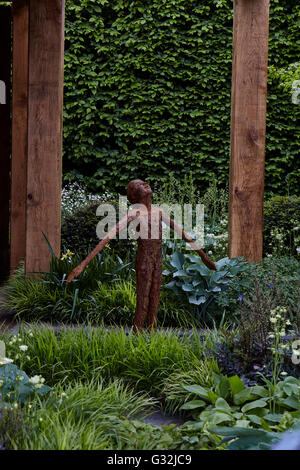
{"x": 5, "y": 360}
{"x": 283, "y": 373}
{"x": 23, "y": 347}
{"x": 273, "y": 320}
{"x": 35, "y": 379}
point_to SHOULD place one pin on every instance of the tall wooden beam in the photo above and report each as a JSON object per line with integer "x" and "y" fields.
{"x": 44, "y": 164}
{"x": 248, "y": 128}
{"x": 5, "y": 44}
{"x": 37, "y": 131}
{"x": 19, "y": 132}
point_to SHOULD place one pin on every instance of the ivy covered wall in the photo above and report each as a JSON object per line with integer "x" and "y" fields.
{"x": 147, "y": 91}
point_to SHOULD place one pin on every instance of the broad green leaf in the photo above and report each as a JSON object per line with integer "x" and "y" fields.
{"x": 243, "y": 423}
{"x": 194, "y": 299}
{"x": 291, "y": 389}
{"x": 197, "y": 390}
{"x": 193, "y": 404}
{"x": 187, "y": 287}
{"x": 221, "y": 263}
{"x": 166, "y": 272}
{"x": 212, "y": 396}
{"x": 254, "y": 419}
{"x": 250, "y": 393}
{"x": 222, "y": 404}
{"x": 203, "y": 270}
{"x": 177, "y": 260}
{"x": 217, "y": 417}
{"x": 273, "y": 417}
{"x": 254, "y": 404}
{"x": 215, "y": 289}
{"x": 223, "y": 387}
{"x": 236, "y": 384}
{"x": 180, "y": 273}
{"x": 237, "y": 431}
{"x": 290, "y": 402}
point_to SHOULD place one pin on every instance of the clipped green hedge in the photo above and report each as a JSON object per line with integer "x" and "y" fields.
{"x": 282, "y": 225}
{"x": 147, "y": 91}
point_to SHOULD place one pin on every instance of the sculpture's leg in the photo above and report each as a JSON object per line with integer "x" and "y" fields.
{"x": 143, "y": 286}
{"x": 154, "y": 295}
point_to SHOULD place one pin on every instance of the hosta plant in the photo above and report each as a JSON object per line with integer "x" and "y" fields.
{"x": 230, "y": 403}
{"x": 201, "y": 285}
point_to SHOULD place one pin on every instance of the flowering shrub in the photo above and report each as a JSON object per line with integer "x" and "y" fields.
{"x": 282, "y": 226}
{"x": 15, "y": 385}
{"x": 216, "y": 238}
{"x": 76, "y": 196}
{"x": 16, "y": 389}
{"x": 280, "y": 324}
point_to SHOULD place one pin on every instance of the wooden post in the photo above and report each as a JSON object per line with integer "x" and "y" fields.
{"x": 19, "y": 132}
{"x": 37, "y": 131}
{"x": 44, "y": 164}
{"x": 248, "y": 128}
{"x": 5, "y": 62}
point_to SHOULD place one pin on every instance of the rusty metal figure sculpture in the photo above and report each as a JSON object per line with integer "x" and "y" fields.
{"x": 148, "y": 264}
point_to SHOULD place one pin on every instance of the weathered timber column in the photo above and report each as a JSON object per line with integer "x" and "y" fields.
{"x": 248, "y": 127}
{"x": 5, "y": 43}
{"x": 37, "y": 131}
{"x": 19, "y": 133}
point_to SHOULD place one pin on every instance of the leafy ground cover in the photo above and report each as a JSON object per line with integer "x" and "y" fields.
{"x": 225, "y": 357}
{"x": 92, "y": 385}
{"x": 191, "y": 295}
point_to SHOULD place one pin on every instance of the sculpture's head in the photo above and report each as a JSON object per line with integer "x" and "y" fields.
{"x": 138, "y": 192}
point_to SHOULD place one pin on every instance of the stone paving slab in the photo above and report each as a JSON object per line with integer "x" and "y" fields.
{"x": 158, "y": 418}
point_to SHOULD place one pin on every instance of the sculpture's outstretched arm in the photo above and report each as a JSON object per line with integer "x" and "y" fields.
{"x": 110, "y": 235}
{"x": 206, "y": 260}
